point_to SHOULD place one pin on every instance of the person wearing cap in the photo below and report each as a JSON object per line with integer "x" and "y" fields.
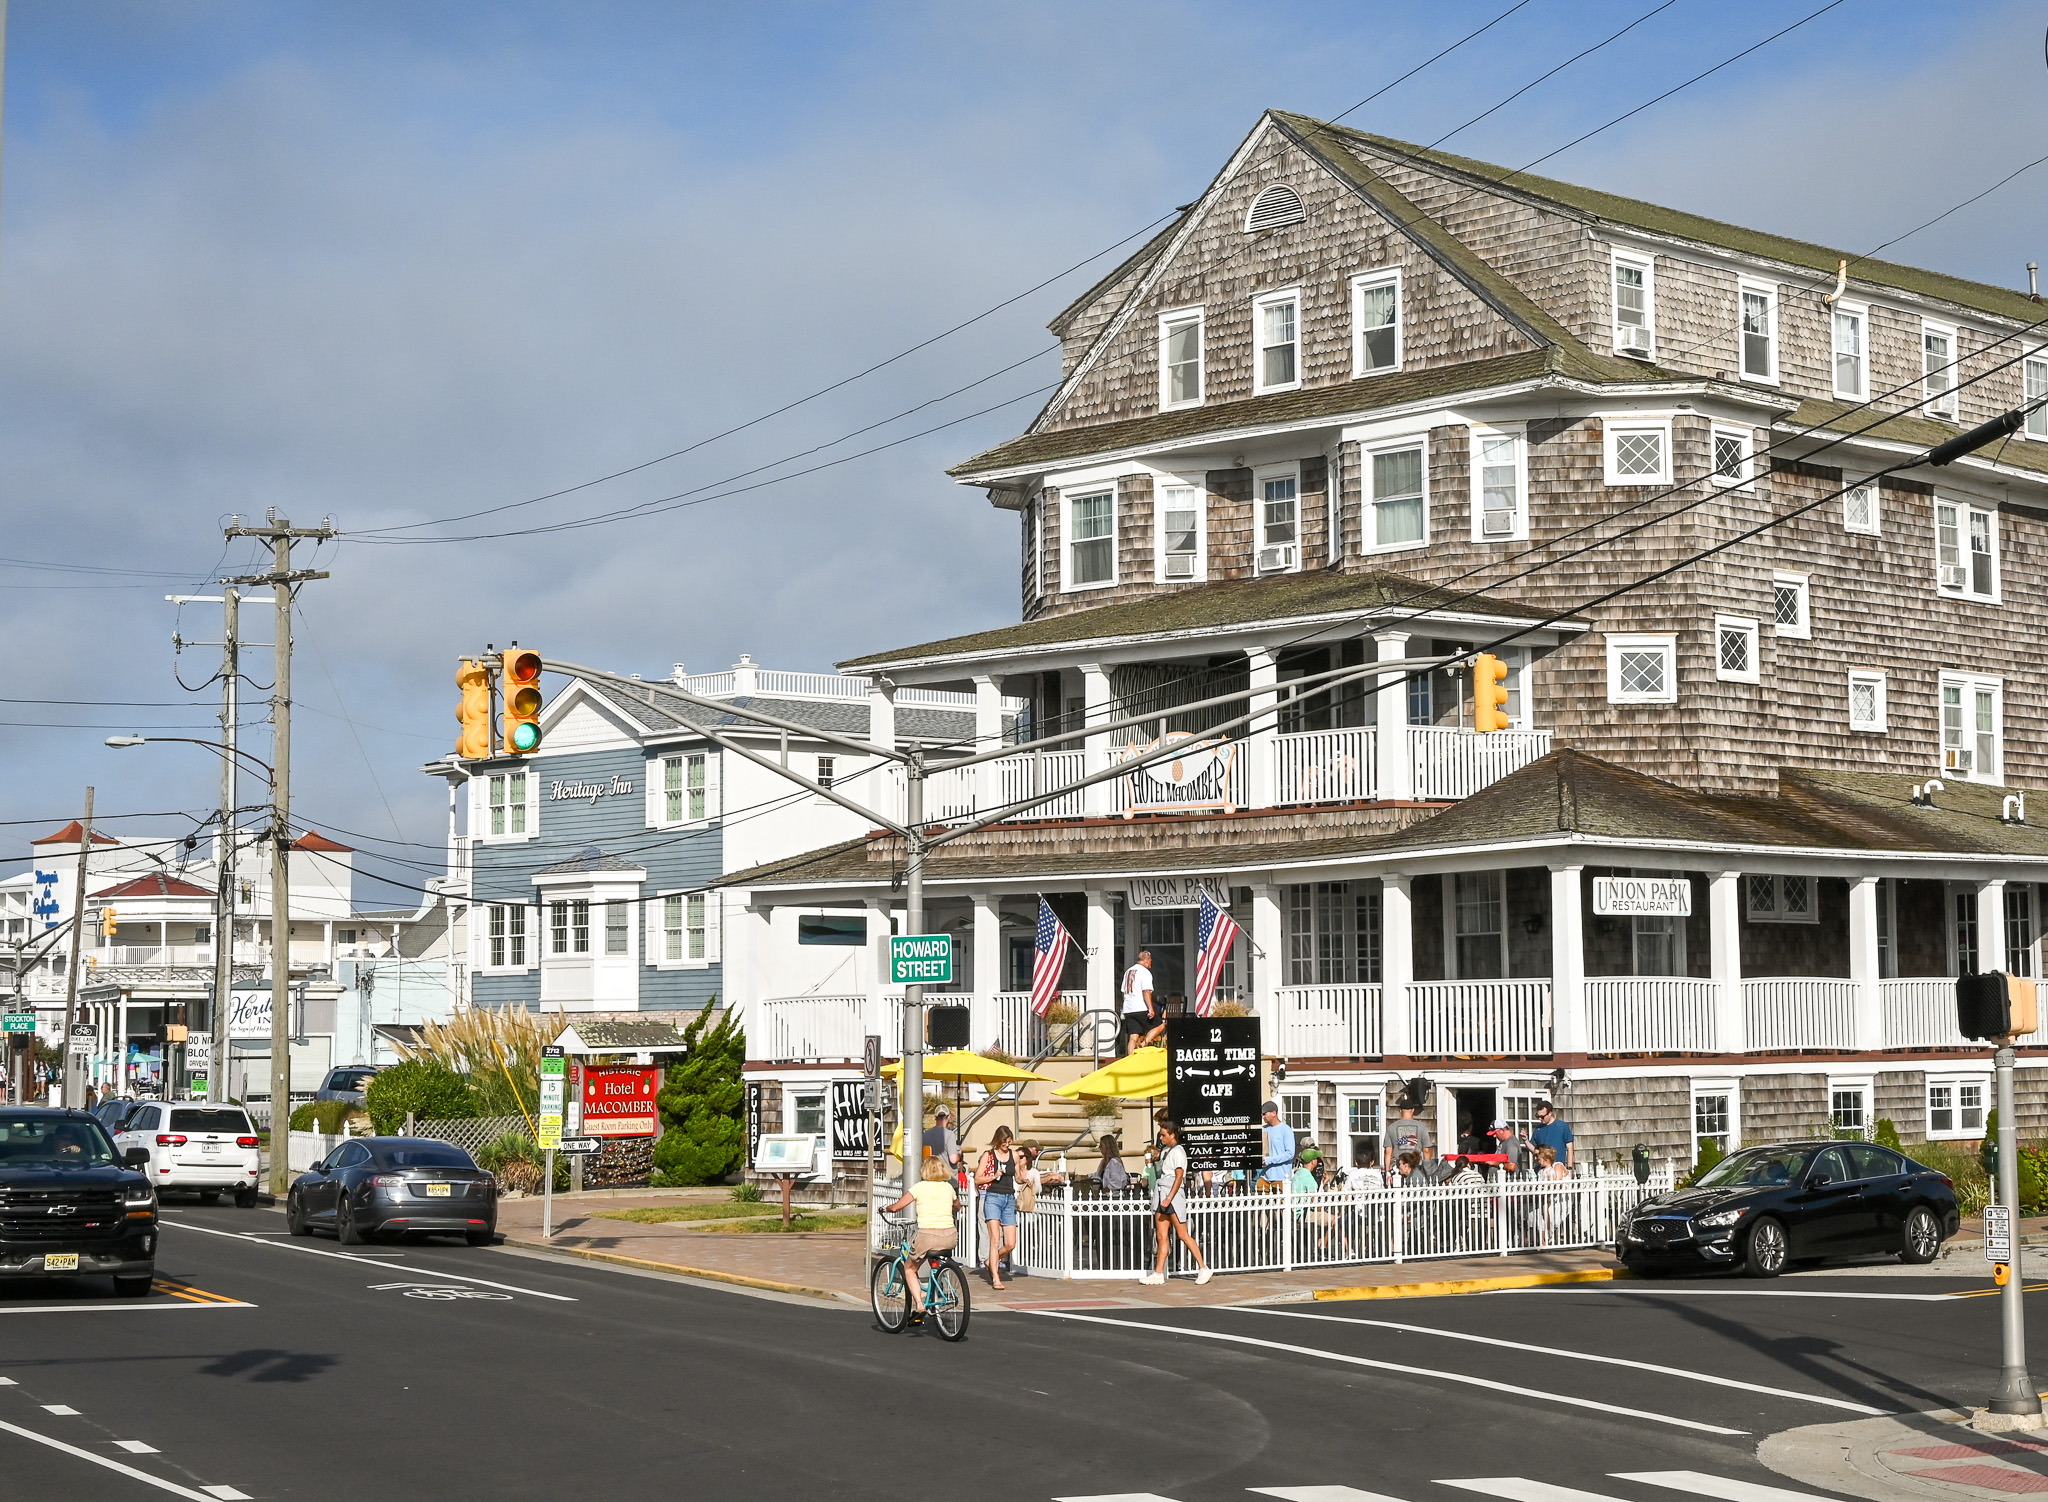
{"x": 1278, "y": 1166}
{"x": 1305, "y": 1180}
{"x": 939, "y": 1141}
{"x": 1505, "y": 1143}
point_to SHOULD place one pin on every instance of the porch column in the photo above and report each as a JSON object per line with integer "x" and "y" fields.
{"x": 988, "y": 736}
{"x": 1261, "y": 735}
{"x": 888, "y": 797}
{"x": 1397, "y": 965}
{"x": 1567, "y": 962}
{"x": 757, "y": 944}
{"x": 1396, "y": 775}
{"x": 1724, "y": 944}
{"x": 1863, "y": 962}
{"x": 1991, "y": 926}
{"x": 1101, "y": 940}
{"x": 988, "y": 970}
{"x": 1098, "y": 798}
{"x": 1269, "y": 944}
{"x": 875, "y": 983}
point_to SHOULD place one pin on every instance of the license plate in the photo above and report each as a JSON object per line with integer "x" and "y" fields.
{"x": 60, "y": 1262}
{"x": 439, "y": 1191}
{"x": 212, "y": 1147}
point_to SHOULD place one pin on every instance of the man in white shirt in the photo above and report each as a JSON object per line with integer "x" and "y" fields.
{"x": 1136, "y": 1019}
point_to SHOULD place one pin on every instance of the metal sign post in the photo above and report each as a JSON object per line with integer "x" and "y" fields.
{"x": 2016, "y": 1395}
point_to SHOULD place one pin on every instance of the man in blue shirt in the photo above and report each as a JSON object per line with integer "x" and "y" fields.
{"x": 1278, "y": 1166}
{"x": 1553, "y": 1132}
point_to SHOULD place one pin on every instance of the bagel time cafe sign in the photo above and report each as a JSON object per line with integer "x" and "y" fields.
{"x": 1642, "y": 896}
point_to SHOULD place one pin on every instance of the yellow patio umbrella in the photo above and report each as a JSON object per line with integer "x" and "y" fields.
{"x": 965, "y": 1068}
{"x": 1139, "y": 1075}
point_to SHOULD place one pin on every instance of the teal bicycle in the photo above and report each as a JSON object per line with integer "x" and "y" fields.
{"x": 946, "y": 1304}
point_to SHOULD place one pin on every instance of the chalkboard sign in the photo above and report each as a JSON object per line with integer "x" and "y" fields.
{"x": 1212, "y": 1090}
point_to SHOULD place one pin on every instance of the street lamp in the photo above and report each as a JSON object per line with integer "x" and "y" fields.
{"x": 224, "y": 939}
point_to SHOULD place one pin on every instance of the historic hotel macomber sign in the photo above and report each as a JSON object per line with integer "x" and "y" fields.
{"x": 618, "y": 1100}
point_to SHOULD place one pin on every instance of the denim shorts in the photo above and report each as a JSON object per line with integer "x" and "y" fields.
{"x": 1000, "y": 1208}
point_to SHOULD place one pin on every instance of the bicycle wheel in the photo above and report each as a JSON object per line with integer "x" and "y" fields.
{"x": 889, "y": 1295}
{"x": 948, "y": 1305}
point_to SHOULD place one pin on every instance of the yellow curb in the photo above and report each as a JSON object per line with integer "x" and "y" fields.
{"x": 1472, "y": 1285}
{"x": 683, "y": 1272}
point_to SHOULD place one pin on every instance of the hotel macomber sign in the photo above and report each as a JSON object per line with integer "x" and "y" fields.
{"x": 618, "y": 1100}
{"x": 1642, "y": 896}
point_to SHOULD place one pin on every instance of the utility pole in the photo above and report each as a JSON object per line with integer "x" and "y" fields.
{"x": 913, "y": 995}
{"x": 74, "y": 1073}
{"x": 224, "y": 906}
{"x": 281, "y": 534}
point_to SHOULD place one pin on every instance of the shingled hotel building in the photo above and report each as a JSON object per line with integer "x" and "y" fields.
{"x": 1333, "y": 415}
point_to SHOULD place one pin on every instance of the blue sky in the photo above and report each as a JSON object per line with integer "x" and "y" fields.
{"x": 395, "y": 262}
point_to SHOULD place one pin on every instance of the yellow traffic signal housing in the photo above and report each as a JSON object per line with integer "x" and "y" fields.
{"x": 1489, "y": 693}
{"x": 474, "y": 742}
{"x": 522, "y": 702}
{"x": 109, "y": 921}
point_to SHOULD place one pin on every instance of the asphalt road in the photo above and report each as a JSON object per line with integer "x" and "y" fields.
{"x": 300, "y": 1369}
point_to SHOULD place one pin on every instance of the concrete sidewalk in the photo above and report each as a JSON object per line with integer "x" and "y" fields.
{"x": 1913, "y": 1457}
{"x": 832, "y": 1265}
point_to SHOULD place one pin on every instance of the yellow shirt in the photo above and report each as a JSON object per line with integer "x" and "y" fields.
{"x": 935, "y": 1199}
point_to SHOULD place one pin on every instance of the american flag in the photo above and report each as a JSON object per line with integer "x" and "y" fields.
{"x": 1053, "y": 940}
{"x": 1214, "y": 935}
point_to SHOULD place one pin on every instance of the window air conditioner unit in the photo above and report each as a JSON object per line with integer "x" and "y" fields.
{"x": 1496, "y": 523}
{"x": 1632, "y": 339}
{"x": 1956, "y": 759}
{"x": 1277, "y": 560}
{"x": 1180, "y": 565}
{"x": 1952, "y": 576}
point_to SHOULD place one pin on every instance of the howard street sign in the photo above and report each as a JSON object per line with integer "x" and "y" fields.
{"x": 921, "y": 960}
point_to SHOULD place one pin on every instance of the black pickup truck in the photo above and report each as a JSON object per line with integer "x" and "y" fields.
{"x": 69, "y": 1204}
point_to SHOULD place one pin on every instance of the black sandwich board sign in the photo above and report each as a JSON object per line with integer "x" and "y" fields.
{"x": 1212, "y": 1090}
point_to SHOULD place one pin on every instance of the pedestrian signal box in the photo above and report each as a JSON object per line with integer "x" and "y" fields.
{"x": 1996, "y": 1005}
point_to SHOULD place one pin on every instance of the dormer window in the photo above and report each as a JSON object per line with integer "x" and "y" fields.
{"x": 1849, "y": 333}
{"x": 1634, "y": 306}
{"x": 1275, "y": 208}
{"x": 1938, "y": 369}
{"x": 1279, "y": 520}
{"x": 1180, "y": 359}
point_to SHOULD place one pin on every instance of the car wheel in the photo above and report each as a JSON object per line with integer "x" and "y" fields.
{"x": 1920, "y": 1241}
{"x": 132, "y": 1288}
{"x": 1766, "y": 1254}
{"x": 481, "y": 1238}
{"x": 295, "y": 1215}
{"x": 346, "y": 1231}
{"x": 245, "y": 1199}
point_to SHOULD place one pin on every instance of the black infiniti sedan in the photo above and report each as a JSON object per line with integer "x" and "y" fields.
{"x": 1764, "y": 1207}
{"x": 372, "y": 1186}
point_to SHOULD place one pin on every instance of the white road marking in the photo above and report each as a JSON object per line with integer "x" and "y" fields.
{"x": 1725, "y": 1488}
{"x": 1570, "y": 1355}
{"x": 1520, "y": 1489}
{"x": 121, "y": 1308}
{"x": 1394, "y": 1366}
{"x": 62, "y": 1409}
{"x": 317, "y": 1251}
{"x": 208, "y": 1495}
{"x": 136, "y": 1447}
{"x": 1320, "y": 1494}
{"x": 225, "y": 1493}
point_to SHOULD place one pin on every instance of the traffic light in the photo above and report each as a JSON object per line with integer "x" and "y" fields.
{"x": 522, "y": 702}
{"x": 109, "y": 921}
{"x": 474, "y": 743}
{"x": 1995, "y": 1005}
{"x": 1489, "y": 693}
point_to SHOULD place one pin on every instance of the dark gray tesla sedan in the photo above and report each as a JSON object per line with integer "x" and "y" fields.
{"x": 371, "y": 1186}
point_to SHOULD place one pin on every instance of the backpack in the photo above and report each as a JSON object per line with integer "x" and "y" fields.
{"x": 1115, "y": 1176}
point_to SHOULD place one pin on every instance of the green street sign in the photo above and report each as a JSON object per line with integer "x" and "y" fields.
{"x": 921, "y": 960}
{"x": 18, "y": 1022}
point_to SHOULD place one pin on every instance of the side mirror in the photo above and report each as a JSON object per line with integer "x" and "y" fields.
{"x": 135, "y": 1157}
{"x": 1819, "y": 1181}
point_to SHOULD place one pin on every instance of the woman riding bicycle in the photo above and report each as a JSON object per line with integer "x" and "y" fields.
{"x": 936, "y": 1200}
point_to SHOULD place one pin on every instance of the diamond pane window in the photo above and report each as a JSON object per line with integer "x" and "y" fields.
{"x": 1642, "y": 672}
{"x": 1639, "y": 454}
{"x": 1731, "y": 457}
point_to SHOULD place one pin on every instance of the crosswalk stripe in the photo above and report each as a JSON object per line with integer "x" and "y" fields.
{"x": 1724, "y": 1488}
{"x": 1320, "y": 1494}
{"x": 1521, "y": 1489}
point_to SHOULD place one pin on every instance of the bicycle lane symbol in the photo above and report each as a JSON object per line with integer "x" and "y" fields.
{"x": 439, "y": 1291}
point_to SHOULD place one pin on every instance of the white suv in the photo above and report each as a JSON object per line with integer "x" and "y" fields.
{"x": 195, "y": 1146}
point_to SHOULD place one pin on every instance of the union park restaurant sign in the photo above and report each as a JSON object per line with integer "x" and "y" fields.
{"x": 1642, "y": 897}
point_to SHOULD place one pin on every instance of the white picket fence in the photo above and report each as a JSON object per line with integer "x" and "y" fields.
{"x": 1084, "y": 1235}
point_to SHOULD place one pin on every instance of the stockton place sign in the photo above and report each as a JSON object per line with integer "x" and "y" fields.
{"x": 589, "y": 792}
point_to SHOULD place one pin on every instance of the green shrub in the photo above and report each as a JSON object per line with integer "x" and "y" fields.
{"x": 1888, "y": 1134}
{"x": 425, "y": 1087}
{"x": 704, "y": 1136}
{"x": 321, "y": 1116}
{"x": 1960, "y": 1164}
{"x": 1710, "y": 1153}
{"x": 746, "y": 1194}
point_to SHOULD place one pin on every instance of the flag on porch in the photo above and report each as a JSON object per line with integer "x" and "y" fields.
{"x": 1051, "y": 962}
{"x": 1214, "y": 935}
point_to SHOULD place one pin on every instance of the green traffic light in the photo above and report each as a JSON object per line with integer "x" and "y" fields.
{"x": 526, "y": 736}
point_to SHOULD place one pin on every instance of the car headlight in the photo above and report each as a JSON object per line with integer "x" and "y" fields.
{"x": 138, "y": 1194}
{"x": 1721, "y": 1218}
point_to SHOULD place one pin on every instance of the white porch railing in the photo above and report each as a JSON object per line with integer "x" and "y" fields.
{"x": 823, "y": 1027}
{"x": 1081, "y": 1235}
{"x": 1649, "y": 1014}
{"x": 1479, "y": 1017}
{"x": 1328, "y": 1022}
{"x": 1453, "y": 763}
{"x": 1325, "y": 766}
{"x": 1920, "y": 1012}
{"x": 1006, "y": 1020}
{"x": 1799, "y": 1012}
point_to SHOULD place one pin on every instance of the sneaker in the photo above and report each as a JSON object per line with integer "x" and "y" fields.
{"x": 1152, "y": 1278}
{"x": 1204, "y": 1276}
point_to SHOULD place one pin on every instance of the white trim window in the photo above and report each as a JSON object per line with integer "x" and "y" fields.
{"x": 1376, "y": 322}
{"x": 1400, "y": 513}
{"x": 2034, "y": 388}
{"x": 1642, "y": 669}
{"x": 1859, "y": 509}
{"x": 1849, "y": 1106}
{"x": 1850, "y": 346}
{"x": 506, "y": 936}
{"x": 1276, "y": 337}
{"x": 1731, "y": 457}
{"x": 1278, "y": 496}
{"x": 1866, "y": 701}
{"x": 1091, "y": 541}
{"x": 1792, "y": 605}
{"x": 682, "y": 788}
{"x": 1966, "y": 550}
{"x": 1972, "y": 727}
{"x": 1500, "y": 486}
{"x": 1759, "y": 331}
{"x": 1180, "y": 359}
{"x": 1938, "y": 358}
{"x": 1956, "y": 1106}
{"x": 1181, "y": 533}
{"x": 1479, "y": 945}
{"x": 1780, "y": 899}
{"x": 1637, "y": 453}
{"x": 1717, "y": 1114}
{"x": 1735, "y": 650}
{"x": 688, "y": 935}
{"x": 509, "y": 806}
{"x": 569, "y": 925}
{"x": 1635, "y": 304}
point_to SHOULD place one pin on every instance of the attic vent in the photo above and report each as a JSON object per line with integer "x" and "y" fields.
{"x": 1276, "y": 206}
